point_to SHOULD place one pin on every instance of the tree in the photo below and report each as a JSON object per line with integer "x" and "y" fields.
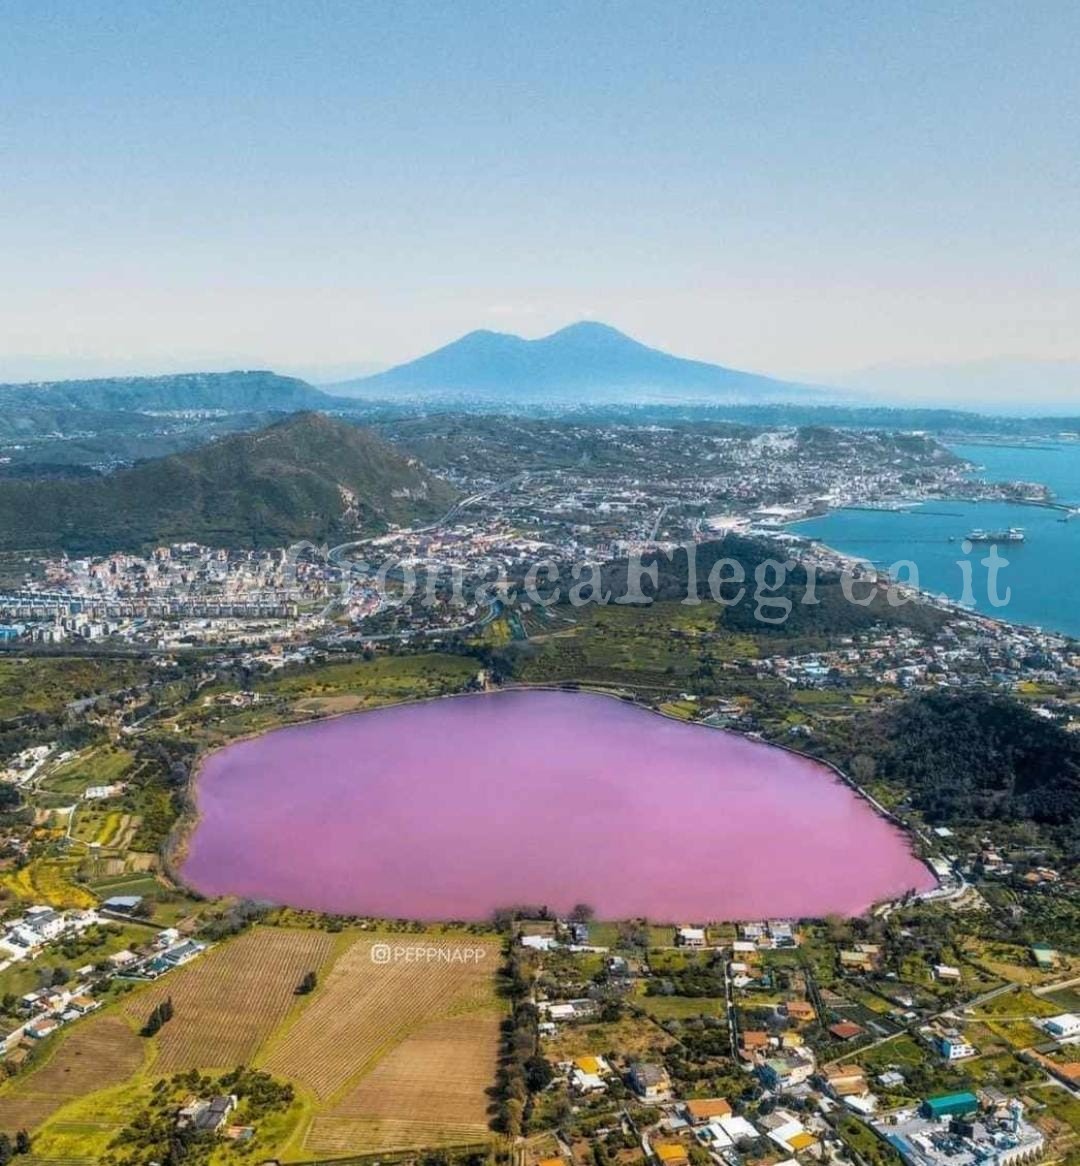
{"x": 22, "y": 1142}
{"x": 307, "y": 984}
{"x": 582, "y": 913}
{"x": 159, "y": 1016}
{"x": 538, "y": 1073}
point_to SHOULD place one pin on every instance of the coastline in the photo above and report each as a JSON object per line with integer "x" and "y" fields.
{"x": 175, "y": 849}
{"x": 929, "y": 598}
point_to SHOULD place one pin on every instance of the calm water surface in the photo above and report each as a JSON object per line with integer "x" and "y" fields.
{"x": 1041, "y": 574}
{"x": 452, "y": 808}
{"x": 1054, "y": 464}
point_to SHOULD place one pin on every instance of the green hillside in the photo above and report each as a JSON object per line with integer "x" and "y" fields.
{"x": 308, "y": 476}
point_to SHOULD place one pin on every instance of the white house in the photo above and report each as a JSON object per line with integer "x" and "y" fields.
{"x": 953, "y": 1047}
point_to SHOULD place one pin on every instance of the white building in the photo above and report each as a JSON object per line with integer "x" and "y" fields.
{"x": 1063, "y": 1027}
{"x": 953, "y": 1047}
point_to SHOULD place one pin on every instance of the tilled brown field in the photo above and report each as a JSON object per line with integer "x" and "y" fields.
{"x": 430, "y": 1090}
{"x": 366, "y": 1009}
{"x": 228, "y": 1001}
{"x": 96, "y": 1054}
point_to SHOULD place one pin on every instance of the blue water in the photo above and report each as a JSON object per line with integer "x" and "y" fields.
{"x": 1043, "y": 573}
{"x": 1056, "y": 465}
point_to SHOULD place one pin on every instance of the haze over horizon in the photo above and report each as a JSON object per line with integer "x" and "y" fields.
{"x": 802, "y": 193}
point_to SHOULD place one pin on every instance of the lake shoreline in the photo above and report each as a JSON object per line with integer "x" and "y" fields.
{"x": 184, "y": 830}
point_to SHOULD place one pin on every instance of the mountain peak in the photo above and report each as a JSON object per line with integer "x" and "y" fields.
{"x": 587, "y": 360}
{"x": 589, "y": 330}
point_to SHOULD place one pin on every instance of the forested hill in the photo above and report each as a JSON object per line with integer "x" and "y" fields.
{"x": 786, "y": 603}
{"x": 306, "y": 477}
{"x": 234, "y": 392}
{"x": 973, "y": 756}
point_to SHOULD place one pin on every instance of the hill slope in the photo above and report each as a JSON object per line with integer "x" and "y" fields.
{"x": 586, "y": 359}
{"x": 308, "y": 476}
{"x": 234, "y": 392}
{"x": 968, "y": 756}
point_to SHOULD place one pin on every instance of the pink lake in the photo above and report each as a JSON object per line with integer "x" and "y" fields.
{"x": 449, "y": 809}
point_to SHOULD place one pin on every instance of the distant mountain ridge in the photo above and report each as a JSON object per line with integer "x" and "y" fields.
{"x": 306, "y": 477}
{"x": 234, "y": 392}
{"x": 587, "y": 360}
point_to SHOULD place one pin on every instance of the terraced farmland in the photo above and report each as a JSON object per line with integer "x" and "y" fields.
{"x": 95, "y": 1054}
{"x": 228, "y": 1001}
{"x": 367, "y": 1008}
{"x": 109, "y": 829}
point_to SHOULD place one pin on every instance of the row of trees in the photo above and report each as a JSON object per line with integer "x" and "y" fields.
{"x": 160, "y": 1016}
{"x": 522, "y": 1069}
{"x": 10, "y": 1147}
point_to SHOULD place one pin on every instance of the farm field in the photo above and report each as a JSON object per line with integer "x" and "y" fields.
{"x": 108, "y": 829}
{"x": 101, "y": 766}
{"x": 383, "y": 1055}
{"x": 228, "y": 1001}
{"x": 429, "y": 1091}
{"x": 98, "y": 1053}
{"x": 48, "y": 880}
{"x": 366, "y": 1008}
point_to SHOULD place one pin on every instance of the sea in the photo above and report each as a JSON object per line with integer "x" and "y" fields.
{"x": 1039, "y": 583}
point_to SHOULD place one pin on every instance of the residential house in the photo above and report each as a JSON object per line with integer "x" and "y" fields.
{"x": 861, "y": 958}
{"x": 183, "y": 952}
{"x": 753, "y": 1041}
{"x": 207, "y": 1115}
{"x": 701, "y": 1111}
{"x": 650, "y": 1082}
{"x": 787, "y": 1070}
{"x": 40, "y": 1029}
{"x": 587, "y": 1074}
{"x": 952, "y": 1046}
{"x": 845, "y": 1080}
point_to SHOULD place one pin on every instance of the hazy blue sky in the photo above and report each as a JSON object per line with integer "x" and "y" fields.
{"x": 790, "y": 187}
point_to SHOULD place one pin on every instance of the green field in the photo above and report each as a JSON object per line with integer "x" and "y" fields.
{"x": 379, "y": 681}
{"x": 680, "y": 1007}
{"x": 661, "y": 646}
{"x": 100, "y": 766}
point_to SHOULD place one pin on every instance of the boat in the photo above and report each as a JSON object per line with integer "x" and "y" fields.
{"x": 1014, "y": 534}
